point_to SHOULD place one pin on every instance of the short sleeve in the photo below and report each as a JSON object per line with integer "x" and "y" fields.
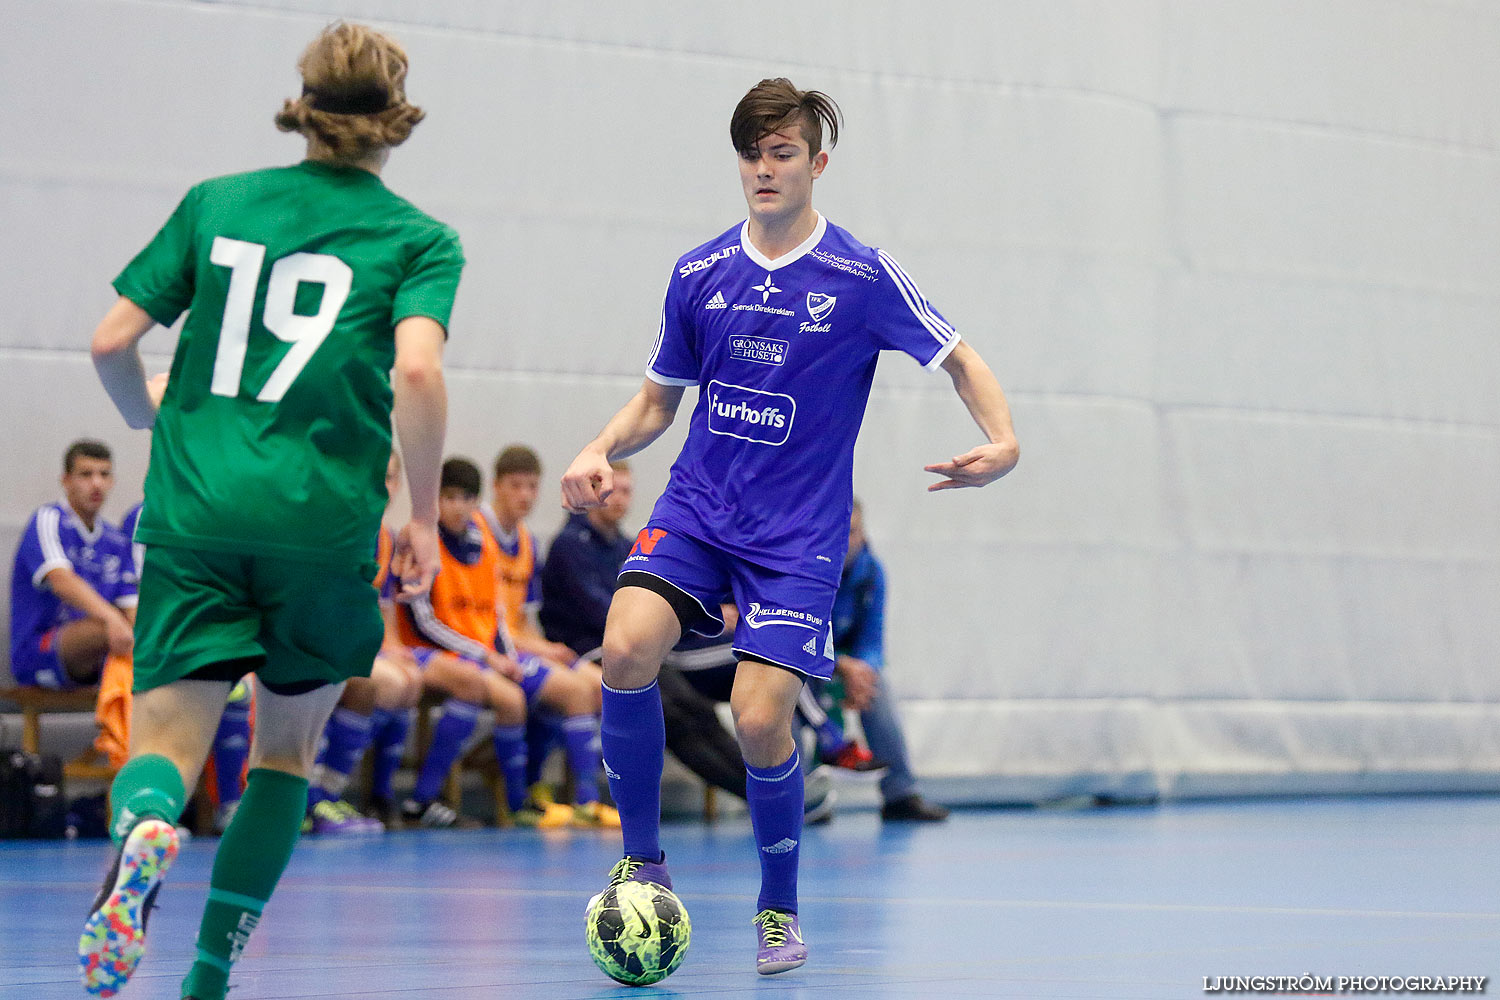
{"x": 160, "y": 278}
{"x": 431, "y": 281}
{"x": 674, "y": 358}
{"x": 41, "y": 550}
{"x": 901, "y": 319}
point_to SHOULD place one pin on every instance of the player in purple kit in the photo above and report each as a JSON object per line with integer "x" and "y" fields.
{"x": 73, "y": 586}
{"x": 779, "y": 322}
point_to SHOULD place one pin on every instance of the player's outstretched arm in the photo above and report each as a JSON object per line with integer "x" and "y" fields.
{"x": 421, "y": 417}
{"x": 589, "y": 480}
{"x": 977, "y": 387}
{"x": 117, "y": 359}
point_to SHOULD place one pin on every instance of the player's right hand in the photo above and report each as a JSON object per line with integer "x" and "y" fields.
{"x": 120, "y": 635}
{"x": 506, "y": 667}
{"x": 588, "y": 482}
{"x": 415, "y": 560}
{"x": 860, "y": 682}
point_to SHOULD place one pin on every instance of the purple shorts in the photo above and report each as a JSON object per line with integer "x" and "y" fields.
{"x": 785, "y": 620}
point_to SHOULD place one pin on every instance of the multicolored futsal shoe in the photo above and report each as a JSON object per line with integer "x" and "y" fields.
{"x": 780, "y": 940}
{"x": 595, "y": 816}
{"x": 542, "y": 814}
{"x": 114, "y": 936}
{"x": 337, "y": 818}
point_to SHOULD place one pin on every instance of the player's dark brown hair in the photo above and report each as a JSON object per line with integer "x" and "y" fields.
{"x": 517, "y": 458}
{"x": 353, "y": 97}
{"x": 771, "y": 105}
{"x": 460, "y": 474}
{"x": 85, "y": 448}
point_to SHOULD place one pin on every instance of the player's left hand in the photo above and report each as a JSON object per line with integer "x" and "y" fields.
{"x": 860, "y": 682}
{"x": 977, "y": 467}
{"x": 415, "y": 560}
{"x": 156, "y": 388}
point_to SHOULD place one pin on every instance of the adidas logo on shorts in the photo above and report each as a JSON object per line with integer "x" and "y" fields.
{"x": 717, "y": 302}
{"x": 811, "y": 647}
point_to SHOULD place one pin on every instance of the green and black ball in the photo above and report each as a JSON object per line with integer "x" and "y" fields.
{"x": 638, "y": 932}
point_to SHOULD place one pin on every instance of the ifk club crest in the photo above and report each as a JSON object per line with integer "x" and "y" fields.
{"x": 820, "y": 305}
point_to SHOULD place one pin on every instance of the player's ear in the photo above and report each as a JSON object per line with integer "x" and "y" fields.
{"x": 819, "y": 162}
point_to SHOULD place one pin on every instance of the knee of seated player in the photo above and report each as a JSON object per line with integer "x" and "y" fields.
{"x": 82, "y": 646}
{"x": 568, "y": 693}
{"x": 506, "y": 699}
{"x": 359, "y": 695}
{"x": 393, "y": 687}
{"x": 457, "y": 678}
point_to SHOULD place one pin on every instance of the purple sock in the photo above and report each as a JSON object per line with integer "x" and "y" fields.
{"x": 830, "y": 738}
{"x": 774, "y": 795}
{"x": 542, "y": 733}
{"x": 344, "y": 741}
{"x": 634, "y": 737}
{"x": 390, "y": 747}
{"x": 510, "y": 751}
{"x": 231, "y": 748}
{"x": 448, "y": 736}
{"x": 579, "y": 732}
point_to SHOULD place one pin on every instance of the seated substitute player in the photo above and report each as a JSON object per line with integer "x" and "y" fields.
{"x": 391, "y": 691}
{"x": 514, "y": 489}
{"x": 779, "y": 322}
{"x": 316, "y": 304}
{"x": 462, "y": 617}
{"x": 73, "y": 585}
{"x": 859, "y": 645}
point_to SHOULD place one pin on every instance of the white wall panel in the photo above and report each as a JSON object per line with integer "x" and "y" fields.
{"x": 1235, "y": 262}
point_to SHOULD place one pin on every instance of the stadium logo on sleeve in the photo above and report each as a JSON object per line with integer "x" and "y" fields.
{"x": 713, "y": 258}
{"x": 749, "y": 414}
{"x": 820, "y": 305}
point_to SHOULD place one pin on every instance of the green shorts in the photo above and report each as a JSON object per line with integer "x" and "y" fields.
{"x": 308, "y": 622}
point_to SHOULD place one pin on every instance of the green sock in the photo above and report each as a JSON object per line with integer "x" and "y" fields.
{"x": 146, "y": 786}
{"x": 252, "y": 855}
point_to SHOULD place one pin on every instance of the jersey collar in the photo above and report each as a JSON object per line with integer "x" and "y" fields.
{"x": 84, "y": 533}
{"x": 790, "y": 257}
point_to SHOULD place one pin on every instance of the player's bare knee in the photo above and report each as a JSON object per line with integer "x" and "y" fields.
{"x": 629, "y": 662}
{"x": 508, "y": 703}
{"x": 761, "y": 731}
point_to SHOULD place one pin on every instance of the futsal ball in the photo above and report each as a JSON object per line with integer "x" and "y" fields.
{"x": 637, "y": 932}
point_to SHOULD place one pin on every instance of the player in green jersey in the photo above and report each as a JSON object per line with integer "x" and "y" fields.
{"x": 305, "y": 286}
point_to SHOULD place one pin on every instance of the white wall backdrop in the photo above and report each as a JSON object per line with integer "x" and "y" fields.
{"x": 1235, "y": 261}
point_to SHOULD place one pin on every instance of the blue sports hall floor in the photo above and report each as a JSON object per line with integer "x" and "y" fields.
{"x": 1099, "y": 903}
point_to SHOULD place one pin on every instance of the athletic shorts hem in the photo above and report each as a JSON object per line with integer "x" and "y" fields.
{"x": 680, "y": 600}
{"x": 746, "y": 654}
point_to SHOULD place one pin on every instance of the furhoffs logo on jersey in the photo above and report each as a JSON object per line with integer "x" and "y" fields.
{"x": 749, "y": 414}
{"x": 820, "y": 305}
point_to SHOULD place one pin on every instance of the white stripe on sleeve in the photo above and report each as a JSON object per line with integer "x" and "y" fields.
{"x": 939, "y": 329}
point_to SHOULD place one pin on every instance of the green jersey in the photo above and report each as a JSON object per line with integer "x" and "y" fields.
{"x": 275, "y": 430}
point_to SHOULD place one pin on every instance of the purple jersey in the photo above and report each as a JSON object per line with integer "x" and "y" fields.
{"x": 783, "y": 353}
{"x": 55, "y": 538}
